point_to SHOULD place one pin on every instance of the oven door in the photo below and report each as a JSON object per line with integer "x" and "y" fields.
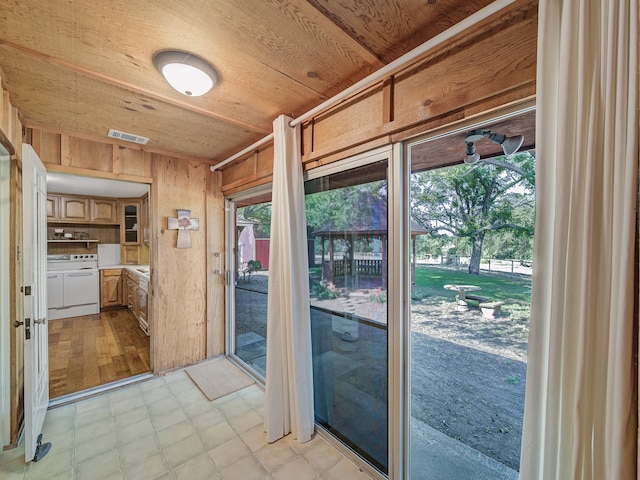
{"x": 55, "y": 294}
{"x": 81, "y": 287}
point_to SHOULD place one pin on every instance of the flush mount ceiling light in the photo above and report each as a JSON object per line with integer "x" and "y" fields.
{"x": 509, "y": 145}
{"x": 186, "y": 72}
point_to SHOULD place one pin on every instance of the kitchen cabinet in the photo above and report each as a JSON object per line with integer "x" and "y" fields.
{"x": 53, "y": 207}
{"x": 104, "y": 210}
{"x": 81, "y": 209}
{"x": 74, "y": 209}
{"x": 144, "y": 219}
{"x": 111, "y": 288}
{"x": 137, "y": 296}
{"x": 129, "y": 222}
{"x": 130, "y": 254}
{"x": 142, "y": 305}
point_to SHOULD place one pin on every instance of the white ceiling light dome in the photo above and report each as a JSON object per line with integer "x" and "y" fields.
{"x": 186, "y": 72}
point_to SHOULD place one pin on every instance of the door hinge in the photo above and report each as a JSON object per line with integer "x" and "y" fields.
{"x": 27, "y": 328}
{"x": 26, "y": 289}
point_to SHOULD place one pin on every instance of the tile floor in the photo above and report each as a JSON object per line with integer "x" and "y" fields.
{"x": 165, "y": 429}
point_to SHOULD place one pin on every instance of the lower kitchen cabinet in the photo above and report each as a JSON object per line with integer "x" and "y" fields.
{"x": 136, "y": 289}
{"x": 111, "y": 288}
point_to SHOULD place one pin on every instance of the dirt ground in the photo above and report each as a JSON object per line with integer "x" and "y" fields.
{"x": 468, "y": 377}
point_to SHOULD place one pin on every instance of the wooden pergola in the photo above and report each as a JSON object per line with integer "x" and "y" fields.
{"x": 369, "y": 228}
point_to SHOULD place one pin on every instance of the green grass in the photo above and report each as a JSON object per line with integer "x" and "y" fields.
{"x": 430, "y": 282}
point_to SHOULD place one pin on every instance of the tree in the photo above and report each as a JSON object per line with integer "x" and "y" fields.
{"x": 470, "y": 201}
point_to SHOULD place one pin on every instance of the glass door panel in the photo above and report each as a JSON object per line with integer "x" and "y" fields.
{"x": 471, "y": 244}
{"x": 252, "y": 237}
{"x": 347, "y": 234}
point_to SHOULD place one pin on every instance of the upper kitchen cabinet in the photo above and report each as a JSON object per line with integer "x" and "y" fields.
{"x": 130, "y": 222}
{"x": 74, "y": 209}
{"x": 104, "y": 210}
{"x": 53, "y": 208}
{"x": 81, "y": 209}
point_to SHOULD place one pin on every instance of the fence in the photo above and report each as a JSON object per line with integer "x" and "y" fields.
{"x": 523, "y": 267}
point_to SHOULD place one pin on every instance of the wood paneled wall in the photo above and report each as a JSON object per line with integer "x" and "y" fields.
{"x": 11, "y": 139}
{"x": 484, "y": 69}
{"x": 179, "y": 283}
{"x": 179, "y": 275}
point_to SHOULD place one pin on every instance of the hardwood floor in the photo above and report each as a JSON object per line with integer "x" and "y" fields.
{"x": 92, "y": 350}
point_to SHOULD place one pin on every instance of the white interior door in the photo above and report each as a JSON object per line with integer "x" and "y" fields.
{"x": 36, "y": 359}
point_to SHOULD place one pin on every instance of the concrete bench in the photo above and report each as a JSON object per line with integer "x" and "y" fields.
{"x": 490, "y": 309}
{"x": 477, "y": 298}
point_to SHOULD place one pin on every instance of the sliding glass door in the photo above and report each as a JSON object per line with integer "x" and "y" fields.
{"x": 249, "y": 225}
{"x": 347, "y": 223}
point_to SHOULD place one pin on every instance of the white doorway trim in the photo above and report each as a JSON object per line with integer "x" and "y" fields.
{"x": 5, "y": 312}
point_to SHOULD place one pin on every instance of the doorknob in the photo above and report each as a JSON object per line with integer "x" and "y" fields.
{"x": 17, "y": 323}
{"x": 42, "y": 321}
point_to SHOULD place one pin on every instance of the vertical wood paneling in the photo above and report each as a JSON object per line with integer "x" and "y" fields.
{"x": 129, "y": 161}
{"x": 81, "y": 153}
{"x": 46, "y": 145}
{"x": 179, "y": 277}
{"x": 215, "y": 283}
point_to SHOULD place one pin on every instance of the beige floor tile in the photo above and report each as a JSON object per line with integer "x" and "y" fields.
{"x": 56, "y": 462}
{"x": 248, "y": 468}
{"x": 62, "y": 425}
{"x": 124, "y": 394}
{"x": 167, "y": 419}
{"x": 55, "y": 414}
{"x": 245, "y": 421}
{"x": 134, "y": 431}
{"x": 152, "y": 384}
{"x": 61, "y": 442}
{"x": 100, "y": 403}
{"x": 181, "y": 384}
{"x": 208, "y": 419}
{"x": 300, "y": 447}
{"x": 345, "y": 470}
{"x": 128, "y": 404}
{"x": 162, "y": 406}
{"x": 124, "y": 420}
{"x": 198, "y": 468}
{"x": 99, "y": 467}
{"x": 175, "y": 433}
{"x": 322, "y": 457}
{"x": 141, "y": 448}
{"x": 93, "y": 430}
{"x": 92, "y": 416}
{"x": 217, "y": 435}
{"x": 146, "y": 468}
{"x": 87, "y": 450}
{"x": 234, "y": 408}
{"x": 298, "y": 469}
{"x": 275, "y": 455}
{"x": 188, "y": 396}
{"x": 183, "y": 451}
{"x": 229, "y": 452}
{"x": 12, "y": 463}
{"x": 198, "y": 407}
{"x": 156, "y": 395}
{"x": 255, "y": 437}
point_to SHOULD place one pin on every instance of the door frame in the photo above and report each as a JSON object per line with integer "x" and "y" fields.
{"x": 5, "y": 294}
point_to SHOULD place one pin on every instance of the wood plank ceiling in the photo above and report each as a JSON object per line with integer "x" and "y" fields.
{"x": 81, "y": 68}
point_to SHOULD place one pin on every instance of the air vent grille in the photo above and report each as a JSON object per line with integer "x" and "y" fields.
{"x": 129, "y": 137}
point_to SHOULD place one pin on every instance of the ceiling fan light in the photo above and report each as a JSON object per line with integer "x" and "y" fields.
{"x": 185, "y": 72}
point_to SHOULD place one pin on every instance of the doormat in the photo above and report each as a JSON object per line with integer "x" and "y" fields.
{"x": 218, "y": 377}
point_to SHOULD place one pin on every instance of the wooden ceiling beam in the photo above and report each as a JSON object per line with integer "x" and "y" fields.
{"x": 128, "y": 86}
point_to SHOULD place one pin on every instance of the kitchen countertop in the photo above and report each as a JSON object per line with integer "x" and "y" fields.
{"x": 140, "y": 270}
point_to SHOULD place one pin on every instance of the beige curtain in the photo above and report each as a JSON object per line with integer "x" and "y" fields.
{"x": 289, "y": 383}
{"x": 581, "y": 403}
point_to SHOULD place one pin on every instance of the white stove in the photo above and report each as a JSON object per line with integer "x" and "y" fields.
{"x": 72, "y": 262}
{"x": 73, "y": 285}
